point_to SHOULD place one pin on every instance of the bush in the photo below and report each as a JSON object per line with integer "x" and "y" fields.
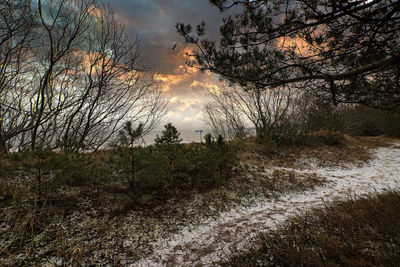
{"x": 82, "y": 169}
{"x": 50, "y": 170}
{"x": 160, "y": 171}
{"x": 364, "y": 121}
{"x": 183, "y": 167}
{"x": 308, "y": 115}
{"x": 170, "y": 136}
{"x": 169, "y": 166}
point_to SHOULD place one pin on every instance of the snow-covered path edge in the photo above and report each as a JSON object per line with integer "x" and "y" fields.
{"x": 212, "y": 240}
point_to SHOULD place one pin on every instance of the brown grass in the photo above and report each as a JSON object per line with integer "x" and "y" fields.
{"x": 362, "y": 232}
{"x": 349, "y": 150}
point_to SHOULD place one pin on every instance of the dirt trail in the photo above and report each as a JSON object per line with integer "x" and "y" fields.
{"x": 212, "y": 240}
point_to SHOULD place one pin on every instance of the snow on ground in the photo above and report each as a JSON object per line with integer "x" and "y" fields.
{"x": 214, "y": 239}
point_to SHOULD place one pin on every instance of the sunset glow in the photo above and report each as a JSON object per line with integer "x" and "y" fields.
{"x": 153, "y": 23}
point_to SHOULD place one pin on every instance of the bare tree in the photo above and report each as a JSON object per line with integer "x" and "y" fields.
{"x": 223, "y": 116}
{"x": 62, "y": 24}
{"x": 111, "y": 87}
{"x": 266, "y": 110}
{"x": 74, "y": 77}
{"x": 16, "y": 22}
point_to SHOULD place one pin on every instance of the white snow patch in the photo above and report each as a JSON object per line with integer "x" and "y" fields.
{"x": 210, "y": 241}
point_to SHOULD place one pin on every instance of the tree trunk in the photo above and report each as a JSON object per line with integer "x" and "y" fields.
{"x": 132, "y": 178}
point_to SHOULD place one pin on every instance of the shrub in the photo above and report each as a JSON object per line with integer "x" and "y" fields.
{"x": 165, "y": 168}
{"x": 170, "y": 136}
{"x": 127, "y": 137}
{"x": 307, "y": 115}
{"x": 364, "y": 121}
{"x": 156, "y": 171}
{"x": 208, "y": 139}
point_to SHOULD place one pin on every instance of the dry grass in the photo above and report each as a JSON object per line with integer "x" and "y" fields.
{"x": 350, "y": 150}
{"x": 88, "y": 223}
{"x": 362, "y": 232}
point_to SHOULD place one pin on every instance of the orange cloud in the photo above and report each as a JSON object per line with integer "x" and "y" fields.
{"x": 180, "y": 74}
{"x": 168, "y": 80}
{"x": 211, "y": 86}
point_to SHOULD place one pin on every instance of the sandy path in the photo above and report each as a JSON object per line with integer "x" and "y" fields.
{"x": 212, "y": 240}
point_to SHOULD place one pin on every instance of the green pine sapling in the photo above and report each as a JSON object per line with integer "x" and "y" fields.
{"x": 127, "y": 137}
{"x": 170, "y": 136}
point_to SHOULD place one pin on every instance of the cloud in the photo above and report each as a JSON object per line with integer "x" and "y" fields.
{"x": 186, "y": 114}
{"x": 153, "y": 22}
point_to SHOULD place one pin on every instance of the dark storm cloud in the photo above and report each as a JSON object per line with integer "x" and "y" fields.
{"x": 153, "y": 21}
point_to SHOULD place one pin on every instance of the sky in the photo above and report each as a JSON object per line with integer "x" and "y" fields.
{"x": 153, "y": 22}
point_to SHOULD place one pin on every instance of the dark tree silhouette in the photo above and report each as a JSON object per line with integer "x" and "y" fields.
{"x": 70, "y": 76}
{"x": 170, "y": 136}
{"x": 345, "y": 51}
